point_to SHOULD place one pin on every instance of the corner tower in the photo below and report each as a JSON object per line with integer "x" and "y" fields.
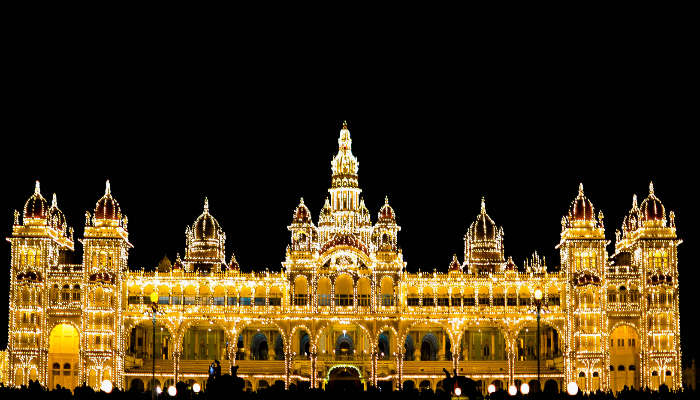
{"x": 105, "y": 255}
{"x": 584, "y": 259}
{"x": 40, "y": 241}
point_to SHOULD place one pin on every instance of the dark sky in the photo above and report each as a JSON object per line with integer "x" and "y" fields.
{"x": 254, "y": 137}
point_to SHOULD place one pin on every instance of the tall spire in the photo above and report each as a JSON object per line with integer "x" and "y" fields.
{"x": 344, "y": 165}
{"x": 108, "y": 188}
{"x": 37, "y": 187}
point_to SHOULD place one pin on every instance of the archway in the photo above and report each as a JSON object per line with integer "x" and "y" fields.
{"x": 206, "y": 342}
{"x": 279, "y": 349}
{"x": 483, "y": 344}
{"x": 140, "y": 344}
{"x": 344, "y": 379}
{"x": 344, "y": 347}
{"x": 624, "y": 358}
{"x": 64, "y": 349}
{"x": 259, "y": 347}
{"x": 526, "y": 344}
{"x": 304, "y": 344}
{"x": 409, "y": 348}
{"x": 429, "y": 348}
{"x": 383, "y": 345}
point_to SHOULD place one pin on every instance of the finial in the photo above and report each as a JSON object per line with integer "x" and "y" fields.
{"x": 580, "y": 189}
{"x": 345, "y": 124}
{"x": 651, "y": 187}
{"x": 483, "y": 205}
{"x": 634, "y": 201}
{"x": 54, "y": 202}
{"x": 108, "y": 188}
{"x": 37, "y": 188}
{"x": 386, "y": 200}
{"x": 301, "y": 201}
{"x": 206, "y": 204}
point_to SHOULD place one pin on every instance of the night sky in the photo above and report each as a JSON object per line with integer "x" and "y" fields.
{"x": 254, "y": 145}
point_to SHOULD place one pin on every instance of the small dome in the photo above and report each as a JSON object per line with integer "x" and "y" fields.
{"x": 651, "y": 208}
{"x": 178, "y": 263}
{"x": 36, "y": 206}
{"x": 302, "y": 215}
{"x": 206, "y": 227}
{"x": 581, "y": 208}
{"x": 483, "y": 229}
{"x": 107, "y": 208}
{"x": 233, "y": 264}
{"x": 56, "y": 217}
{"x": 386, "y": 213}
{"x": 510, "y": 265}
{"x": 454, "y": 265}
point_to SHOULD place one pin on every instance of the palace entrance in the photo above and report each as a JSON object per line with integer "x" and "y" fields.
{"x": 64, "y": 351}
{"x": 345, "y": 379}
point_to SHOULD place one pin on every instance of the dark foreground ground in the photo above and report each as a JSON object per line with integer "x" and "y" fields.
{"x": 230, "y": 390}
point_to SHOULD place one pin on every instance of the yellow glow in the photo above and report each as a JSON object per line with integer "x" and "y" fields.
{"x": 538, "y": 294}
{"x": 154, "y": 297}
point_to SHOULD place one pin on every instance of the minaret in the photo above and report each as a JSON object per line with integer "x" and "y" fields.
{"x": 105, "y": 254}
{"x": 584, "y": 260}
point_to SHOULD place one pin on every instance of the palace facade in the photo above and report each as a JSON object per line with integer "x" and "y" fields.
{"x": 343, "y": 307}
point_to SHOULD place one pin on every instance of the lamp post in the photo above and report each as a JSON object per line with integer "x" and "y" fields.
{"x": 154, "y": 311}
{"x": 538, "y": 304}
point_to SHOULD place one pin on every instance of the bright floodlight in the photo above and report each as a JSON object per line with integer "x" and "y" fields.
{"x": 512, "y": 390}
{"x": 159, "y": 390}
{"x": 572, "y": 388}
{"x": 538, "y": 294}
{"x": 458, "y": 391}
{"x": 492, "y": 388}
{"x": 172, "y": 391}
{"x": 524, "y": 388}
{"x": 196, "y": 388}
{"x": 106, "y": 386}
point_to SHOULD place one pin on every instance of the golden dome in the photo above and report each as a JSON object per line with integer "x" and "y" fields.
{"x": 302, "y": 215}
{"x": 36, "y": 206}
{"x": 107, "y": 208}
{"x": 581, "y": 208}
{"x": 483, "y": 228}
{"x": 651, "y": 208}
{"x": 57, "y": 219}
{"x": 386, "y": 213}
{"x": 206, "y": 227}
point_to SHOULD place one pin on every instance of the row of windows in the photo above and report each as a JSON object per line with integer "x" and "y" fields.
{"x": 206, "y": 300}
{"x": 621, "y": 342}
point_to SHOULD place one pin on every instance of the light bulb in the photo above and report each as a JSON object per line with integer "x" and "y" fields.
{"x": 196, "y": 388}
{"x": 172, "y": 391}
{"x": 492, "y": 388}
{"x": 106, "y": 386}
{"x": 524, "y": 388}
{"x": 512, "y": 390}
{"x": 572, "y": 388}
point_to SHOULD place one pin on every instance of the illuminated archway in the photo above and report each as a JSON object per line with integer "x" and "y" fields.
{"x": 64, "y": 350}
{"x": 624, "y": 358}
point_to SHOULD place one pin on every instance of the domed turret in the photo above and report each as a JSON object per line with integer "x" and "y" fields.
{"x": 454, "y": 264}
{"x": 302, "y": 215}
{"x": 57, "y": 219}
{"x": 233, "y": 264}
{"x": 205, "y": 243}
{"x": 651, "y": 209}
{"x": 483, "y": 229}
{"x": 510, "y": 264}
{"x": 36, "y": 207}
{"x": 206, "y": 227}
{"x": 107, "y": 207}
{"x": 386, "y": 213}
{"x": 484, "y": 244}
{"x": 581, "y": 208}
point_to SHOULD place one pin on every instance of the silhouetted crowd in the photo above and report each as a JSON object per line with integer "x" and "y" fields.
{"x": 232, "y": 387}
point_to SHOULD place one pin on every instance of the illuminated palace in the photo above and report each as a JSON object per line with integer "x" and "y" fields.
{"x": 343, "y": 306}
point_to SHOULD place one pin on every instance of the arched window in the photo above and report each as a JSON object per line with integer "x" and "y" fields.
{"x": 76, "y": 293}
{"x": 65, "y": 294}
{"x": 620, "y": 367}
